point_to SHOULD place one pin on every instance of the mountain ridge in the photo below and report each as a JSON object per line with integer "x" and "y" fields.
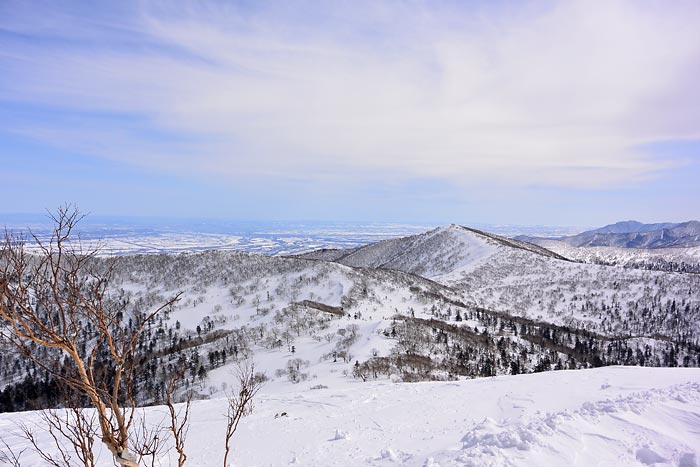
{"x": 631, "y": 234}
{"x": 433, "y": 253}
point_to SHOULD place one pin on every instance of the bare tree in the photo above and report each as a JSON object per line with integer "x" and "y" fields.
{"x": 240, "y": 404}
{"x": 179, "y": 420}
{"x": 59, "y": 299}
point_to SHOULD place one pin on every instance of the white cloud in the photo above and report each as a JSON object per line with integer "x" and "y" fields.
{"x": 559, "y": 94}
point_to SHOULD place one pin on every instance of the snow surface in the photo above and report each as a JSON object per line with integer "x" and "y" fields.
{"x": 616, "y": 416}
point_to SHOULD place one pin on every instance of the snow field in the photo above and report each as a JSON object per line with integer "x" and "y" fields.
{"x": 615, "y": 416}
{"x": 609, "y": 416}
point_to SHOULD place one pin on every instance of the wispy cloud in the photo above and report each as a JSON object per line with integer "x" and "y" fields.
{"x": 543, "y": 93}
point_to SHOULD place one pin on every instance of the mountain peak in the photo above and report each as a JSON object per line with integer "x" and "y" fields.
{"x": 621, "y": 227}
{"x": 440, "y": 251}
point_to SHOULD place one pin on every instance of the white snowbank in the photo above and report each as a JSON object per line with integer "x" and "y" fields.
{"x": 622, "y": 416}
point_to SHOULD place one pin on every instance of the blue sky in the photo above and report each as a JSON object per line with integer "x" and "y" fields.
{"x": 559, "y": 113}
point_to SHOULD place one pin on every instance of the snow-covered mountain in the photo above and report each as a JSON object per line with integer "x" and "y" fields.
{"x": 439, "y": 252}
{"x": 623, "y": 227}
{"x": 522, "y": 279}
{"x": 632, "y": 234}
{"x": 333, "y": 330}
{"x": 486, "y": 306}
{"x": 660, "y": 247}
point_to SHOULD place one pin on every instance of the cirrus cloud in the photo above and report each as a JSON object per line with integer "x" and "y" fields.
{"x": 539, "y": 93}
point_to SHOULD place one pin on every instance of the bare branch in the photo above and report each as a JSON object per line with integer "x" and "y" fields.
{"x": 240, "y": 404}
{"x": 179, "y": 419}
{"x": 9, "y": 456}
{"x": 47, "y": 300}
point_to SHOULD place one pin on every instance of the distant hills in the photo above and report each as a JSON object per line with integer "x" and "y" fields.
{"x": 631, "y": 234}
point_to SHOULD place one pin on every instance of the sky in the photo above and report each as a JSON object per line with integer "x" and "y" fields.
{"x": 519, "y": 112}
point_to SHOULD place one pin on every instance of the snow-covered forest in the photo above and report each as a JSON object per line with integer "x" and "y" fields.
{"x": 448, "y": 305}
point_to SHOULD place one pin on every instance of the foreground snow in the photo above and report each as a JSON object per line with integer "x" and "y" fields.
{"x": 615, "y": 416}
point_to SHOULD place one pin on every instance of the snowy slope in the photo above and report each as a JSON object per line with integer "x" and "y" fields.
{"x": 566, "y": 292}
{"x": 272, "y": 309}
{"x": 523, "y": 279}
{"x": 440, "y": 251}
{"x": 617, "y": 416}
{"x": 644, "y": 258}
{"x": 329, "y": 317}
{"x": 256, "y": 303}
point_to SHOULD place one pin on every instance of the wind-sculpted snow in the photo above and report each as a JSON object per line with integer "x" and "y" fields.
{"x": 646, "y": 418}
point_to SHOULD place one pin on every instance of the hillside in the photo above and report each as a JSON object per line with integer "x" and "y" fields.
{"x": 522, "y": 279}
{"x": 655, "y": 259}
{"x": 493, "y": 307}
{"x": 438, "y": 252}
{"x": 448, "y": 305}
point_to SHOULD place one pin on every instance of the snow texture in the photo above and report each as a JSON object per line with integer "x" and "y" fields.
{"x": 622, "y": 416}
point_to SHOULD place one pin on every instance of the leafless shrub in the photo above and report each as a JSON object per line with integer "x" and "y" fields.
{"x": 49, "y": 299}
{"x": 9, "y": 456}
{"x": 240, "y": 404}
